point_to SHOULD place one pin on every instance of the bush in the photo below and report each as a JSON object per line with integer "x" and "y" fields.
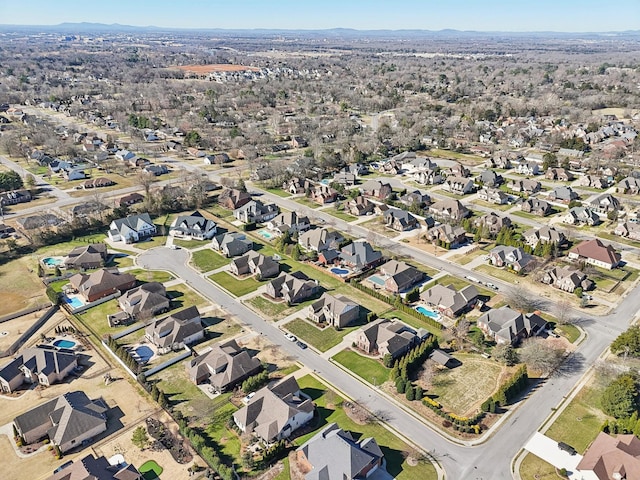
{"x": 409, "y": 392}
{"x": 255, "y": 382}
{"x": 400, "y": 385}
{"x": 419, "y": 393}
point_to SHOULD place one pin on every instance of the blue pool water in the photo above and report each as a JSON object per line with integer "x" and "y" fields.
{"x": 52, "y": 261}
{"x": 74, "y": 302}
{"x": 377, "y": 280}
{"x": 429, "y": 313}
{"x": 326, "y": 181}
{"x": 339, "y": 271}
{"x": 64, "y": 344}
{"x": 144, "y": 353}
{"x": 265, "y": 234}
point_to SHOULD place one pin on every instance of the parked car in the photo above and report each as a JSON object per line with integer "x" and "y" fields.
{"x": 302, "y": 345}
{"x": 290, "y": 337}
{"x": 567, "y": 448}
{"x": 248, "y": 398}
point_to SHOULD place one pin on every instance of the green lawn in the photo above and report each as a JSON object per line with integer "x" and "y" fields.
{"x": 96, "y": 318}
{"x": 120, "y": 260}
{"x": 340, "y": 214}
{"x": 522, "y": 214}
{"x": 228, "y": 440}
{"x": 570, "y": 332}
{"x": 191, "y": 244}
{"x": 534, "y": 468}
{"x": 207, "y": 260}
{"x": 279, "y": 192}
{"x": 376, "y": 224}
{"x": 152, "y": 242}
{"x": 368, "y": 369}
{"x": 234, "y": 285}
{"x": 458, "y": 284}
{"x": 182, "y": 295}
{"x": 604, "y": 284}
{"x": 394, "y": 449}
{"x": 151, "y": 275}
{"x": 500, "y": 273}
{"x": 58, "y": 284}
{"x": 273, "y": 310}
{"x": 307, "y": 202}
{"x": 219, "y": 211}
{"x": 322, "y": 339}
{"x": 66, "y": 247}
{"x": 286, "y": 473}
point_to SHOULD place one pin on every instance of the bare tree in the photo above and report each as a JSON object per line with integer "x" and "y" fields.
{"x": 428, "y": 372}
{"x": 562, "y": 312}
{"x": 541, "y": 355}
{"x": 519, "y": 298}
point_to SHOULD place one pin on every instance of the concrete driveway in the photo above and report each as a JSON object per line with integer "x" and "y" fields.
{"x": 547, "y": 449}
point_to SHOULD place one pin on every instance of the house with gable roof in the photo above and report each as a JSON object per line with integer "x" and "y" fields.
{"x": 360, "y": 255}
{"x": 92, "y": 468}
{"x": 507, "y": 326}
{"x": 175, "y": 331}
{"x": 90, "y": 256}
{"x": 101, "y": 283}
{"x": 145, "y": 301}
{"x": 448, "y": 300}
{"x": 358, "y": 206}
{"x": 256, "y": 212}
{"x": 399, "y": 276}
{"x": 536, "y": 206}
{"x": 255, "y": 263}
{"x": 132, "y": 228}
{"x": 594, "y": 252}
{"x": 567, "y": 279}
{"x": 400, "y": 220}
{"x": 289, "y": 222}
{"x": 320, "y": 239}
{"x": 37, "y": 365}
{"x": 611, "y": 457}
{"x": 512, "y": 257}
{"x": 293, "y": 288}
{"x": 388, "y": 337}
{"x": 337, "y": 311}
{"x": 193, "y": 226}
{"x": 231, "y": 244}
{"x": 449, "y": 210}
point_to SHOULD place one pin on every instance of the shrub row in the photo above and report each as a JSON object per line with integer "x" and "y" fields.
{"x": 463, "y": 424}
{"x": 406, "y": 365}
{"x": 124, "y": 355}
{"x": 512, "y": 387}
{"x": 255, "y": 382}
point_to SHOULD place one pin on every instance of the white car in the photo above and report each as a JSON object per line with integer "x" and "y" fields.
{"x": 290, "y": 337}
{"x": 248, "y": 398}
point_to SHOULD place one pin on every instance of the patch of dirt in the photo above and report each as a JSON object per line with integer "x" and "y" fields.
{"x": 12, "y": 302}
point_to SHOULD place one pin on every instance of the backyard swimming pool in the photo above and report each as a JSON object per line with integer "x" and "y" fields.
{"x": 53, "y": 261}
{"x": 266, "y": 234}
{"x": 339, "y": 271}
{"x": 64, "y": 344}
{"x": 75, "y": 302}
{"x": 428, "y": 312}
{"x": 377, "y": 280}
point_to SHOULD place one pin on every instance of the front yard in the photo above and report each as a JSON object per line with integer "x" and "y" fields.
{"x": 367, "y": 368}
{"x": 151, "y": 275}
{"x": 322, "y": 339}
{"x": 207, "y": 260}
{"x": 234, "y": 285}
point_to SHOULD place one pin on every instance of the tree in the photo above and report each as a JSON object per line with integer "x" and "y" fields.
{"x": 30, "y": 181}
{"x": 505, "y": 354}
{"x": 140, "y": 438}
{"x": 628, "y": 342}
{"x": 519, "y": 298}
{"x": 541, "y": 355}
{"x": 562, "y": 312}
{"x": 620, "y": 398}
{"x": 410, "y": 393}
{"x": 10, "y": 181}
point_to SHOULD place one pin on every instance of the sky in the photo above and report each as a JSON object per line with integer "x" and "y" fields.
{"x": 480, "y": 15}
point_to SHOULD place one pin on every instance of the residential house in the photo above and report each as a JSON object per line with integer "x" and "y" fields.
{"x": 217, "y": 159}
{"x": 193, "y": 226}
{"x": 400, "y": 220}
{"x": 37, "y": 365}
{"x": 155, "y": 170}
{"x": 458, "y": 185}
{"x": 292, "y": 288}
{"x": 449, "y": 301}
{"x": 275, "y": 411}
{"x": 489, "y": 178}
{"x": 196, "y": 152}
{"x": 92, "y": 468}
{"x": 629, "y": 185}
{"x": 536, "y": 206}
{"x": 544, "y": 234}
{"x": 560, "y": 174}
{"x": 630, "y": 230}
{"x": 256, "y": 212}
{"x": 594, "y": 181}
{"x": 223, "y": 366}
{"x": 596, "y": 253}
{"x": 298, "y": 142}
{"x": 449, "y": 210}
{"x": 232, "y": 198}
{"x": 14, "y": 197}
{"x": 74, "y": 174}
{"x": 428, "y": 177}
{"x": 528, "y": 167}
{"x": 563, "y": 194}
{"x": 68, "y": 421}
{"x": 611, "y": 457}
{"x": 443, "y": 358}
{"x": 390, "y": 167}
{"x": 415, "y": 198}
{"x": 492, "y": 223}
{"x": 337, "y": 311}
{"x": 458, "y": 170}
{"x": 255, "y": 263}
{"x": 445, "y": 234}
{"x": 346, "y": 179}
{"x": 323, "y": 194}
{"x": 125, "y": 155}
{"x": 604, "y": 204}
{"x": 376, "y": 189}
{"x": 289, "y": 222}
{"x": 101, "y": 283}
{"x": 360, "y": 255}
{"x": 98, "y": 182}
{"x": 231, "y": 244}
{"x": 297, "y": 185}
{"x": 335, "y": 453}
{"x": 130, "y": 199}
{"x": 511, "y": 257}
{"x": 499, "y": 161}
{"x": 581, "y": 216}
{"x": 399, "y": 276}
{"x": 358, "y": 206}
{"x": 570, "y": 152}
{"x": 320, "y": 239}
{"x": 145, "y": 301}
{"x": 493, "y": 195}
{"x": 132, "y": 228}
{"x": 388, "y": 337}
{"x": 567, "y": 279}
{"x": 42, "y": 220}
{"x": 175, "y": 331}
{"x": 91, "y": 256}
{"x": 524, "y": 185}
{"x": 507, "y": 326}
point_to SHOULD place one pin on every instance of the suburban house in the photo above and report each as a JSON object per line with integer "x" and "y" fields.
{"x": 98, "y": 183}
{"x": 92, "y": 468}
{"x": 296, "y": 185}
{"x": 563, "y": 194}
{"x": 561, "y": 174}
{"x": 524, "y": 185}
{"x": 629, "y": 185}
{"x": 581, "y": 216}
{"x": 132, "y": 228}
{"x": 388, "y": 337}
{"x": 428, "y": 177}
{"x": 37, "y": 365}
{"x": 289, "y": 222}
{"x": 337, "y": 311}
{"x": 14, "y": 197}
{"x": 415, "y": 198}
{"x": 223, "y": 366}
{"x": 604, "y": 204}
{"x": 458, "y": 185}
{"x": 508, "y": 326}
{"x": 492, "y": 222}
{"x": 390, "y": 167}
{"x": 193, "y": 226}
{"x": 399, "y": 276}
{"x": 510, "y": 257}
{"x": 449, "y": 210}
{"x": 275, "y": 411}
{"x": 231, "y": 244}
{"x": 145, "y": 301}
{"x": 536, "y": 206}
{"x": 445, "y": 234}
{"x": 449, "y": 301}
{"x": 458, "y": 170}
{"x": 528, "y": 167}
{"x": 320, "y": 239}
{"x": 344, "y": 178}
{"x": 232, "y": 198}
{"x": 611, "y": 457}
{"x": 293, "y": 288}
{"x": 594, "y": 181}
{"x": 358, "y": 206}
{"x": 596, "y": 253}
{"x": 101, "y": 283}
{"x": 376, "y": 189}
{"x": 499, "y": 161}
{"x": 255, "y": 263}
{"x": 130, "y": 199}
{"x": 493, "y": 195}
{"x": 400, "y": 220}
{"x": 630, "y": 230}
{"x": 360, "y": 255}
{"x": 323, "y": 194}
{"x": 545, "y": 234}
{"x": 156, "y": 170}
{"x": 175, "y": 331}
{"x": 335, "y": 453}
{"x": 567, "y": 279}
{"x": 256, "y": 212}
{"x": 443, "y": 358}
{"x": 83, "y": 258}
{"x": 68, "y": 421}
{"x": 490, "y": 179}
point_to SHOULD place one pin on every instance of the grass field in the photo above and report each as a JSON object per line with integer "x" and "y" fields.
{"x": 368, "y": 369}
{"x": 534, "y": 468}
{"x": 151, "y": 275}
{"x": 307, "y": 202}
{"x": 501, "y": 273}
{"x": 395, "y": 450}
{"x": 322, "y": 339}
{"x": 570, "y": 332}
{"x": 19, "y": 285}
{"x": 207, "y": 260}
{"x": 340, "y": 214}
{"x": 191, "y": 244}
{"x": 184, "y": 296}
{"x": 279, "y": 192}
{"x": 152, "y": 242}
{"x": 234, "y": 285}
{"x": 463, "y": 157}
{"x": 270, "y": 309}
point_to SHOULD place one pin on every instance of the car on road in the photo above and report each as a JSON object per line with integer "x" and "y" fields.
{"x": 290, "y": 337}
{"x": 302, "y": 345}
{"x": 175, "y": 247}
{"x": 492, "y": 286}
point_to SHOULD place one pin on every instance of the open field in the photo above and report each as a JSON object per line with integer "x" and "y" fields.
{"x": 272, "y": 310}
{"x": 340, "y": 214}
{"x": 369, "y": 369}
{"x": 12, "y": 329}
{"x": 207, "y": 260}
{"x": 20, "y": 287}
{"x": 307, "y": 202}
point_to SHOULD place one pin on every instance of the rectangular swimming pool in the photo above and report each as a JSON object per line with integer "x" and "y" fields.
{"x": 75, "y": 302}
{"x": 377, "y": 280}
